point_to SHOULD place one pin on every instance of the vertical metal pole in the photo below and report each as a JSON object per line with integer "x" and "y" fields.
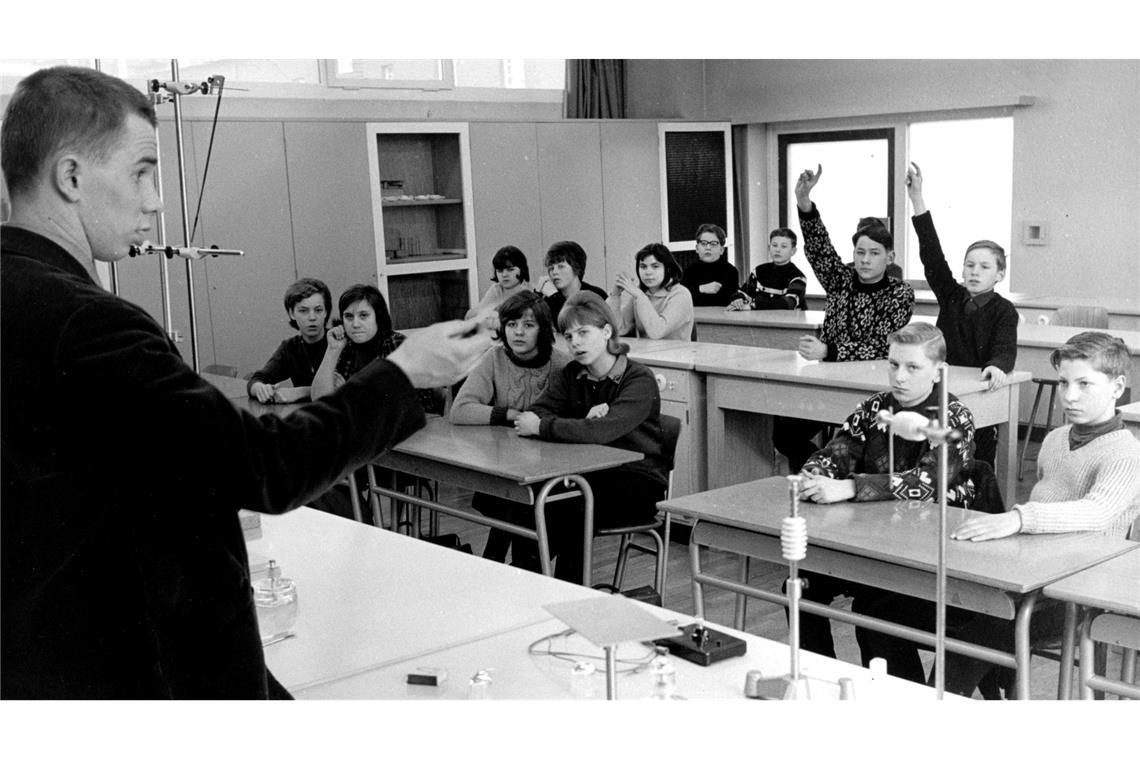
{"x": 185, "y": 215}
{"x": 611, "y": 671}
{"x": 940, "y": 610}
{"x": 163, "y": 270}
{"x": 794, "y": 590}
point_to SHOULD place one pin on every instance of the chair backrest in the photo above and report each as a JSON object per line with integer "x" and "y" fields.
{"x": 1094, "y": 317}
{"x": 671, "y": 432}
{"x": 987, "y": 491}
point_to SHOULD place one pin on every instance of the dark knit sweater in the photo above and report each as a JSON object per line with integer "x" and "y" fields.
{"x": 293, "y": 360}
{"x": 988, "y": 336}
{"x": 632, "y": 423}
{"x": 773, "y": 286}
{"x": 699, "y": 273}
{"x": 859, "y": 317}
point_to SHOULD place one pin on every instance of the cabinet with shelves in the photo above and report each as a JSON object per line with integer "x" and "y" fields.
{"x": 421, "y": 205}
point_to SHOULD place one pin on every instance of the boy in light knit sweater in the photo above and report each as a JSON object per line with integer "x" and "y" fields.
{"x": 1088, "y": 480}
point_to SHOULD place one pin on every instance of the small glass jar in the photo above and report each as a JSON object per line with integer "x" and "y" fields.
{"x": 276, "y": 601}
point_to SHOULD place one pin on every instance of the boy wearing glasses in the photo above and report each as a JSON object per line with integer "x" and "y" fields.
{"x": 712, "y": 279}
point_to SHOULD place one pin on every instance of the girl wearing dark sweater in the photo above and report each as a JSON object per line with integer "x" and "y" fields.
{"x": 600, "y": 397}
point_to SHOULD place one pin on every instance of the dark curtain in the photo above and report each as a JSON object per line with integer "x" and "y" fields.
{"x": 595, "y": 88}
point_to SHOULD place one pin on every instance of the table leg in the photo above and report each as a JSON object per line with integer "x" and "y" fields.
{"x": 695, "y": 572}
{"x": 740, "y": 609}
{"x": 1021, "y": 648}
{"x": 1068, "y": 639}
{"x": 587, "y": 525}
{"x": 1086, "y": 654}
{"x": 1007, "y": 443}
{"x": 665, "y": 556}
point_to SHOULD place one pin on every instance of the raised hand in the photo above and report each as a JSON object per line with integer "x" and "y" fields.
{"x": 914, "y": 188}
{"x": 807, "y": 180}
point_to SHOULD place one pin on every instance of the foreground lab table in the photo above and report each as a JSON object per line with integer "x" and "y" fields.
{"x": 368, "y": 596}
{"x": 495, "y": 460}
{"x": 892, "y": 545}
{"x": 782, "y": 383}
{"x": 1111, "y": 587}
{"x": 375, "y": 605}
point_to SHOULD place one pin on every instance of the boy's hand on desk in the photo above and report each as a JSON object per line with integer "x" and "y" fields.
{"x": 812, "y": 348}
{"x": 738, "y": 304}
{"x": 527, "y": 423}
{"x": 824, "y": 490}
{"x": 441, "y": 354}
{"x": 993, "y": 377}
{"x": 710, "y": 288}
{"x": 263, "y": 392}
{"x": 988, "y": 527}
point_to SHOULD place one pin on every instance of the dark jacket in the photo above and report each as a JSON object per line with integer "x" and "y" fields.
{"x": 293, "y": 360}
{"x": 124, "y": 569}
{"x": 982, "y": 338}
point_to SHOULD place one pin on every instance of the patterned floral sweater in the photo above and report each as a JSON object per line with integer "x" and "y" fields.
{"x": 859, "y": 317}
{"x": 859, "y": 451}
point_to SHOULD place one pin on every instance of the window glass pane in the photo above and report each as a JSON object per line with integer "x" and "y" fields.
{"x": 528, "y": 73}
{"x": 854, "y": 184}
{"x": 967, "y": 170}
{"x": 390, "y": 69}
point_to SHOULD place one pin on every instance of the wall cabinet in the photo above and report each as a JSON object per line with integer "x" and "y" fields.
{"x": 423, "y": 221}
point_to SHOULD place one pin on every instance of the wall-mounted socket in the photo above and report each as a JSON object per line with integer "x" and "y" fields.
{"x": 1034, "y": 233}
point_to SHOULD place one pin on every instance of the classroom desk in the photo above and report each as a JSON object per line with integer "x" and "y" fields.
{"x": 368, "y": 596}
{"x": 892, "y": 545}
{"x": 1131, "y": 414}
{"x": 518, "y": 674}
{"x": 774, "y": 328}
{"x": 497, "y": 461}
{"x": 1112, "y": 587}
{"x": 374, "y": 605}
{"x": 771, "y": 382}
{"x": 232, "y": 387}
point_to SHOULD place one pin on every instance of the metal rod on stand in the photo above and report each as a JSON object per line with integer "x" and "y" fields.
{"x": 185, "y": 219}
{"x": 940, "y": 601}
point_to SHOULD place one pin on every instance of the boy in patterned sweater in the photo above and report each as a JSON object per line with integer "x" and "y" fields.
{"x": 853, "y": 466}
{"x": 864, "y": 306}
{"x": 980, "y": 326}
{"x": 776, "y": 284}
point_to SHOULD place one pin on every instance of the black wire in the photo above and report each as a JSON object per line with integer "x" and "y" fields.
{"x": 206, "y": 170}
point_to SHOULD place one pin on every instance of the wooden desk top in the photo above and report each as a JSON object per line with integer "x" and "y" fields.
{"x": 1131, "y": 412}
{"x": 1113, "y": 585}
{"x": 788, "y": 365}
{"x": 233, "y": 387}
{"x": 905, "y": 533}
{"x": 368, "y": 596}
{"x": 500, "y": 452}
{"x": 686, "y": 355}
{"x": 1053, "y": 336}
{"x": 791, "y": 319}
{"x": 517, "y": 674}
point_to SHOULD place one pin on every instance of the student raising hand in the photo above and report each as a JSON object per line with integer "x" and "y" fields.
{"x": 914, "y": 189}
{"x": 804, "y": 185}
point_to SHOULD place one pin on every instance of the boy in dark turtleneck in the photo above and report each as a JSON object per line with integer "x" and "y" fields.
{"x": 712, "y": 280}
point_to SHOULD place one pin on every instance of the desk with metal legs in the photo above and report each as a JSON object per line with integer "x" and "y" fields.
{"x": 781, "y": 383}
{"x": 497, "y": 461}
{"x": 891, "y": 545}
{"x": 1112, "y": 587}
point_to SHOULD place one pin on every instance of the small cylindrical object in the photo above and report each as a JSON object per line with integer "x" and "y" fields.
{"x": 846, "y": 689}
{"x": 752, "y": 681}
{"x": 663, "y": 675}
{"x": 793, "y": 538}
{"x": 479, "y": 687}
{"x": 582, "y": 680}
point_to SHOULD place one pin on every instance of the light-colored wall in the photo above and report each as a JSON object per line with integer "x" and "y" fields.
{"x": 1076, "y": 148}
